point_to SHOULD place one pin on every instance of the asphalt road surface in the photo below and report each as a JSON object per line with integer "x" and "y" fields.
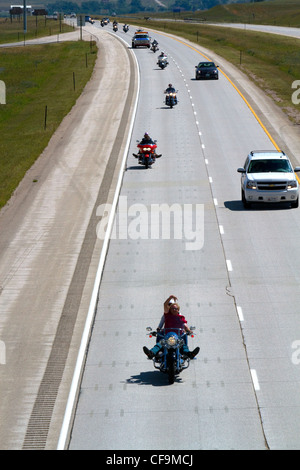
{"x": 281, "y": 30}
{"x": 49, "y": 252}
{"x": 235, "y": 272}
{"x": 236, "y": 277}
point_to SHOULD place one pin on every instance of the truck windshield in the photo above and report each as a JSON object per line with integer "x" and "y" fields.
{"x": 269, "y": 165}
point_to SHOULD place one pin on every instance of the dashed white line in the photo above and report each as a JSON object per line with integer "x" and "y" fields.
{"x": 240, "y": 313}
{"x": 229, "y": 265}
{"x": 255, "y": 379}
{"x": 221, "y": 228}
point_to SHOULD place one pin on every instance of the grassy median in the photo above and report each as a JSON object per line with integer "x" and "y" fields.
{"x": 42, "y": 82}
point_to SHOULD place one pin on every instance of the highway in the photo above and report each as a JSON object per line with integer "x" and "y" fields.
{"x": 49, "y": 252}
{"x": 281, "y": 30}
{"x": 235, "y": 272}
{"x": 236, "y": 278}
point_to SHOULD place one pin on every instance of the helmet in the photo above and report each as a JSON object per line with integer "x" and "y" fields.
{"x": 170, "y": 85}
{"x": 146, "y": 135}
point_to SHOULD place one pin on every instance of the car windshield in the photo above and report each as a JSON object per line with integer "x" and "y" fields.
{"x": 269, "y": 165}
{"x": 203, "y": 65}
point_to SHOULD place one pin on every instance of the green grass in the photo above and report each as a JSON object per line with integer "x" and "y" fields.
{"x": 272, "y": 61}
{"x": 278, "y": 12}
{"x": 36, "y": 77}
{"x": 272, "y": 12}
{"x": 13, "y": 31}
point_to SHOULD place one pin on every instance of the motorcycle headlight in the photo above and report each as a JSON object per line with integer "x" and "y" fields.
{"x": 147, "y": 149}
{"x": 171, "y": 341}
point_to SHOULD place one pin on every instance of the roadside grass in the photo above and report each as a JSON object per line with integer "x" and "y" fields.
{"x": 37, "y": 77}
{"x": 270, "y": 60}
{"x": 13, "y": 31}
{"x": 272, "y": 12}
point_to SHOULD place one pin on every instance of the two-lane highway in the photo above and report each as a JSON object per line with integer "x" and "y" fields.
{"x": 240, "y": 287}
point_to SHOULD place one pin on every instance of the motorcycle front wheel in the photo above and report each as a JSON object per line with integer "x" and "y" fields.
{"x": 171, "y": 370}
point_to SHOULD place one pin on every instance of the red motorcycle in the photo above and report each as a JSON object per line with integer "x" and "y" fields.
{"x": 147, "y": 154}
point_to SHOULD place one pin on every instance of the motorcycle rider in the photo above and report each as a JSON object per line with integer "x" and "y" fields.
{"x": 172, "y": 319}
{"x": 146, "y": 140}
{"x": 162, "y": 55}
{"x": 154, "y": 45}
{"x": 171, "y": 89}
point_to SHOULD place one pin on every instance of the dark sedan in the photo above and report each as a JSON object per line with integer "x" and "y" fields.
{"x": 207, "y": 70}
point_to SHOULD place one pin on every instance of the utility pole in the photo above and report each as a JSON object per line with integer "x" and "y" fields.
{"x": 24, "y": 16}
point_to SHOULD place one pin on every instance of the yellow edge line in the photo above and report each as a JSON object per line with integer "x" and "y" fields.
{"x": 239, "y": 92}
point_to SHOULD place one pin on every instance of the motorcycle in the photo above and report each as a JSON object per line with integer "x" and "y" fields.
{"x": 171, "y": 98}
{"x": 146, "y": 155}
{"x": 115, "y": 28}
{"x": 125, "y": 28}
{"x": 162, "y": 62}
{"x": 169, "y": 359}
{"x": 154, "y": 46}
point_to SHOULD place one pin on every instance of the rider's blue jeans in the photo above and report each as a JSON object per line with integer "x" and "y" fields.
{"x": 184, "y": 348}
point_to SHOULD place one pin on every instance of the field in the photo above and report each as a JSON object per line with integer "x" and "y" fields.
{"x": 42, "y": 84}
{"x": 273, "y": 12}
{"x": 13, "y": 31}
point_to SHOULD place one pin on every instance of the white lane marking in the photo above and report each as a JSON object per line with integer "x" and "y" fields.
{"x": 229, "y": 265}
{"x": 221, "y": 228}
{"x": 240, "y": 313}
{"x": 255, "y": 379}
{"x": 64, "y": 432}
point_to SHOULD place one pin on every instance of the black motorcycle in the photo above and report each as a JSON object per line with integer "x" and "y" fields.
{"x": 154, "y": 46}
{"x": 162, "y": 62}
{"x": 171, "y": 98}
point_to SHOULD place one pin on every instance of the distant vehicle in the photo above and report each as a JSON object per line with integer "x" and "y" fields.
{"x": 268, "y": 176}
{"x": 207, "y": 70}
{"x": 89, "y": 19}
{"x": 141, "y": 39}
